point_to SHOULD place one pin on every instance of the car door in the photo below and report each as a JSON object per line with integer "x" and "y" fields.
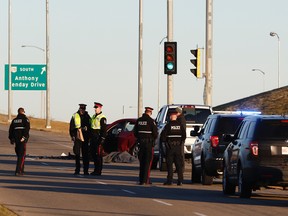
{"x": 199, "y": 142}
{"x": 126, "y": 138}
{"x": 238, "y": 144}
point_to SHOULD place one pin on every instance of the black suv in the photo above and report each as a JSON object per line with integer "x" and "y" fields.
{"x": 208, "y": 149}
{"x": 257, "y": 155}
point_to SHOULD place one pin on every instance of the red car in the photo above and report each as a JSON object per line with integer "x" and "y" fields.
{"x": 120, "y": 137}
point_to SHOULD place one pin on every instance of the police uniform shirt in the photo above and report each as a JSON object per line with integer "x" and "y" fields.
{"x": 19, "y": 128}
{"x": 173, "y": 132}
{"x": 145, "y": 127}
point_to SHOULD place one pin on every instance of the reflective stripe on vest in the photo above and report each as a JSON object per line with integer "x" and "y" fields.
{"x": 173, "y": 136}
{"x": 145, "y": 132}
{"x": 77, "y": 120}
{"x": 95, "y": 121}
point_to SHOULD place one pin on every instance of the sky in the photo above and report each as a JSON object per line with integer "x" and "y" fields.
{"x": 94, "y": 52}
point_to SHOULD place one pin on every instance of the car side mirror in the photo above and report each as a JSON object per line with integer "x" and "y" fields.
{"x": 195, "y": 131}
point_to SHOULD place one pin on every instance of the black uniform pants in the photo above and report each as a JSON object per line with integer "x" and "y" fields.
{"x": 95, "y": 147}
{"x": 174, "y": 155}
{"x": 78, "y": 148}
{"x": 145, "y": 157}
{"x": 20, "y": 150}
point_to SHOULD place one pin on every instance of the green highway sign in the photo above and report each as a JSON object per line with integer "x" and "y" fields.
{"x": 26, "y": 77}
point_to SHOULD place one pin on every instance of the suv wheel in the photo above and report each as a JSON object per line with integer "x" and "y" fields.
{"x": 206, "y": 180}
{"x": 227, "y": 187}
{"x": 195, "y": 176}
{"x": 135, "y": 150}
{"x": 245, "y": 190}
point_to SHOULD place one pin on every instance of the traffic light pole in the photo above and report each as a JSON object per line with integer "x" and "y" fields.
{"x": 207, "y": 95}
{"x": 169, "y": 38}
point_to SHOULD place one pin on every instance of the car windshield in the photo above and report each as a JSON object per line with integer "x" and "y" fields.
{"x": 271, "y": 129}
{"x": 193, "y": 115}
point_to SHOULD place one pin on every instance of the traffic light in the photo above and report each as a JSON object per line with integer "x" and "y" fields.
{"x": 196, "y": 62}
{"x": 170, "y": 58}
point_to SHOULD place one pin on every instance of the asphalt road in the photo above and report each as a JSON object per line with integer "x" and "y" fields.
{"x": 49, "y": 188}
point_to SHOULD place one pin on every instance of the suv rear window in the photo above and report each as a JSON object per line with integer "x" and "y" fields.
{"x": 193, "y": 115}
{"x": 229, "y": 125}
{"x": 270, "y": 129}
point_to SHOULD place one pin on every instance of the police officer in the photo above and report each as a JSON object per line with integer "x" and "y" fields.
{"x": 19, "y": 135}
{"x": 98, "y": 134}
{"x": 79, "y": 132}
{"x": 145, "y": 131}
{"x": 181, "y": 119}
{"x": 174, "y": 135}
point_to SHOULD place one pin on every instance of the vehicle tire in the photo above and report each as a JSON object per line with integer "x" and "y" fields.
{"x": 205, "y": 179}
{"x": 135, "y": 150}
{"x": 245, "y": 190}
{"x": 227, "y": 187}
{"x": 195, "y": 176}
{"x": 162, "y": 163}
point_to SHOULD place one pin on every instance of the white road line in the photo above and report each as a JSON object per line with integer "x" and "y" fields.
{"x": 130, "y": 192}
{"x": 46, "y": 164}
{"x": 164, "y": 203}
{"x": 62, "y": 168}
{"x": 103, "y": 183}
{"x": 199, "y": 214}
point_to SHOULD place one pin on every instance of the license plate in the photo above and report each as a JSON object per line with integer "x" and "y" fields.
{"x": 284, "y": 150}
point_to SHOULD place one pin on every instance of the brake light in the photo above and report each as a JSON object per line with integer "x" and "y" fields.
{"x": 214, "y": 141}
{"x": 254, "y": 148}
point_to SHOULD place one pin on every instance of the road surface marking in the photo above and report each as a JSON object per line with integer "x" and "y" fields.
{"x": 165, "y": 203}
{"x": 131, "y": 192}
{"x": 103, "y": 183}
{"x": 199, "y": 214}
{"x": 46, "y": 164}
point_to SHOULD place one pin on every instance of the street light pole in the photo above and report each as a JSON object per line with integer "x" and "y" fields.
{"x": 42, "y": 92}
{"x": 272, "y": 34}
{"x": 263, "y": 77}
{"x": 140, "y": 60}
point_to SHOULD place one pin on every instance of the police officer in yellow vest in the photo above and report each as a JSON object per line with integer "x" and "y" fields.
{"x": 98, "y": 134}
{"x": 80, "y": 134}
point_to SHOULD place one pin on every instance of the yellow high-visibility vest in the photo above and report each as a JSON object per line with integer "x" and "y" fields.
{"x": 77, "y": 120}
{"x": 95, "y": 121}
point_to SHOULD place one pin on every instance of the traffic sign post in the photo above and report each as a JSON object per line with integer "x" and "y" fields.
{"x": 26, "y": 77}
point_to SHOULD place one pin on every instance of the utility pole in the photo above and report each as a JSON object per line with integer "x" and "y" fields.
{"x": 207, "y": 95}
{"x": 9, "y": 62}
{"x": 169, "y": 38}
{"x": 140, "y": 62}
{"x": 48, "y": 117}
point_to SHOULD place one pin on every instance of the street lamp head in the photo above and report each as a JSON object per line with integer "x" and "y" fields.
{"x": 272, "y": 34}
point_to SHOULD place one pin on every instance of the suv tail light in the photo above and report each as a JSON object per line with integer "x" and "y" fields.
{"x": 254, "y": 148}
{"x": 214, "y": 141}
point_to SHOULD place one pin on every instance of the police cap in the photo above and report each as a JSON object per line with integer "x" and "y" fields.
{"x": 148, "y": 109}
{"x": 97, "y": 104}
{"x": 82, "y": 106}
